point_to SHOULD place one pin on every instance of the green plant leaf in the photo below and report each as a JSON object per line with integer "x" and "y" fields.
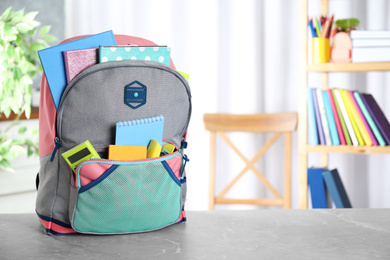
{"x": 22, "y": 130}
{"x": 17, "y": 150}
{"x": 6, "y": 13}
{"x": 23, "y": 27}
{"x": 49, "y": 38}
{"x": 30, "y": 16}
{"x": 6, "y": 166}
{"x": 44, "y": 30}
{"x": 17, "y": 16}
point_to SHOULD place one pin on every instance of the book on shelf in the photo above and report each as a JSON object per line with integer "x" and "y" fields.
{"x": 348, "y": 107}
{"x": 323, "y": 182}
{"x": 318, "y": 118}
{"x": 370, "y": 120}
{"x": 371, "y": 54}
{"x": 366, "y": 130}
{"x": 365, "y": 137}
{"x": 377, "y": 114}
{"x": 369, "y": 34}
{"x": 336, "y": 117}
{"x": 324, "y": 121}
{"x": 336, "y": 189}
{"x": 317, "y": 187}
{"x": 351, "y": 118}
{"x": 331, "y": 121}
{"x": 371, "y": 42}
{"x": 346, "y": 117}
{"x": 312, "y": 124}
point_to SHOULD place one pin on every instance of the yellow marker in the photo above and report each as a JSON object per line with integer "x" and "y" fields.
{"x": 168, "y": 148}
{"x": 154, "y": 149}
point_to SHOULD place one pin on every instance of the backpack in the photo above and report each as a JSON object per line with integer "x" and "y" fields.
{"x": 120, "y": 196}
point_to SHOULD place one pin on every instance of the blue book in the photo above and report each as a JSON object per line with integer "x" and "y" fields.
{"x": 318, "y": 118}
{"x": 139, "y": 132}
{"x": 53, "y": 61}
{"x": 311, "y": 118}
{"x": 331, "y": 122}
{"x": 336, "y": 189}
{"x": 317, "y": 188}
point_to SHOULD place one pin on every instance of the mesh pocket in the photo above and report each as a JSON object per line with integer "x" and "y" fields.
{"x": 132, "y": 198}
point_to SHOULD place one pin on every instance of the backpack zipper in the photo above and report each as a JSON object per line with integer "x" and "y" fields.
{"x": 57, "y": 145}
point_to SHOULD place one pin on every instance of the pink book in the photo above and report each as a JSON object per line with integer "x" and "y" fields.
{"x": 336, "y": 118}
{"x": 371, "y": 134}
{"x": 78, "y": 60}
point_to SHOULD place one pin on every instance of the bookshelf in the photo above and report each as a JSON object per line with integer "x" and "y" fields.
{"x": 324, "y": 69}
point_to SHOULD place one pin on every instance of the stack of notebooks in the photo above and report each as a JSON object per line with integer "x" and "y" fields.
{"x": 344, "y": 117}
{"x": 137, "y": 139}
{"x": 62, "y": 63}
{"x": 370, "y": 46}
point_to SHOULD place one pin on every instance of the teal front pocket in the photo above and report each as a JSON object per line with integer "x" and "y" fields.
{"x": 129, "y": 197}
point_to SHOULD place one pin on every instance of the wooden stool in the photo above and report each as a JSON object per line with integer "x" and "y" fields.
{"x": 279, "y": 124}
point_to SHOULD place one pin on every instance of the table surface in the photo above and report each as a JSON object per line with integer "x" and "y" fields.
{"x": 256, "y": 234}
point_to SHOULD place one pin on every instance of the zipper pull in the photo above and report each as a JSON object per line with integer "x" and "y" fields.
{"x": 56, "y": 147}
{"x": 185, "y": 158}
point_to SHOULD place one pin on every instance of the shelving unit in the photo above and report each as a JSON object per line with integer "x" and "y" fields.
{"x": 324, "y": 70}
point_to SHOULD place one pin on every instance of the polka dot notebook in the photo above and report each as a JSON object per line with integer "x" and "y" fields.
{"x": 115, "y": 53}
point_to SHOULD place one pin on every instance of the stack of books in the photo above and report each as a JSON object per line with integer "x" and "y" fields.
{"x": 324, "y": 181}
{"x": 344, "y": 117}
{"x": 370, "y": 46}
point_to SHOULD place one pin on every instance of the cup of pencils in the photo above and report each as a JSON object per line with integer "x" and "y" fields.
{"x": 320, "y": 29}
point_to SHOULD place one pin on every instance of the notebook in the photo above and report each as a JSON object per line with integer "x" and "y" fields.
{"x": 78, "y": 60}
{"x": 160, "y": 54}
{"x": 126, "y": 152}
{"x": 139, "y": 132}
{"x": 53, "y": 61}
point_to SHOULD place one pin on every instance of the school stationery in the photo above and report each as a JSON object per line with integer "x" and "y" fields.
{"x": 80, "y": 153}
{"x": 126, "y": 152}
{"x": 139, "y": 132}
{"x": 154, "y": 149}
{"x": 53, "y": 61}
{"x": 78, "y": 60}
{"x": 160, "y": 54}
{"x": 168, "y": 148}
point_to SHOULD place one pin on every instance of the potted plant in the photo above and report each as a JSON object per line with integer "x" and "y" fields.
{"x": 20, "y": 40}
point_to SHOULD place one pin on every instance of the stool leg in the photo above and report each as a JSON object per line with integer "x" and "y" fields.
{"x": 212, "y": 171}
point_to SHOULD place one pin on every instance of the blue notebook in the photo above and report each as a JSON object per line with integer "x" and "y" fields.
{"x": 317, "y": 188}
{"x": 139, "y": 132}
{"x": 336, "y": 189}
{"x": 53, "y": 61}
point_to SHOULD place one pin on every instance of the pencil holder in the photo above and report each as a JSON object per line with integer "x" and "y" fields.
{"x": 321, "y": 50}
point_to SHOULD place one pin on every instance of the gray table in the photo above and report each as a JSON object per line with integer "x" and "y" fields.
{"x": 260, "y": 234}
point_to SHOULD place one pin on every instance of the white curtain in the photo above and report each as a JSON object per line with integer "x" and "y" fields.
{"x": 242, "y": 57}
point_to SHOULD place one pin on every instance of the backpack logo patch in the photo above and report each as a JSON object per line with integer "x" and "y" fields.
{"x": 135, "y": 94}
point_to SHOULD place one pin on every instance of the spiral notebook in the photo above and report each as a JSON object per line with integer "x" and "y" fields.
{"x": 139, "y": 132}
